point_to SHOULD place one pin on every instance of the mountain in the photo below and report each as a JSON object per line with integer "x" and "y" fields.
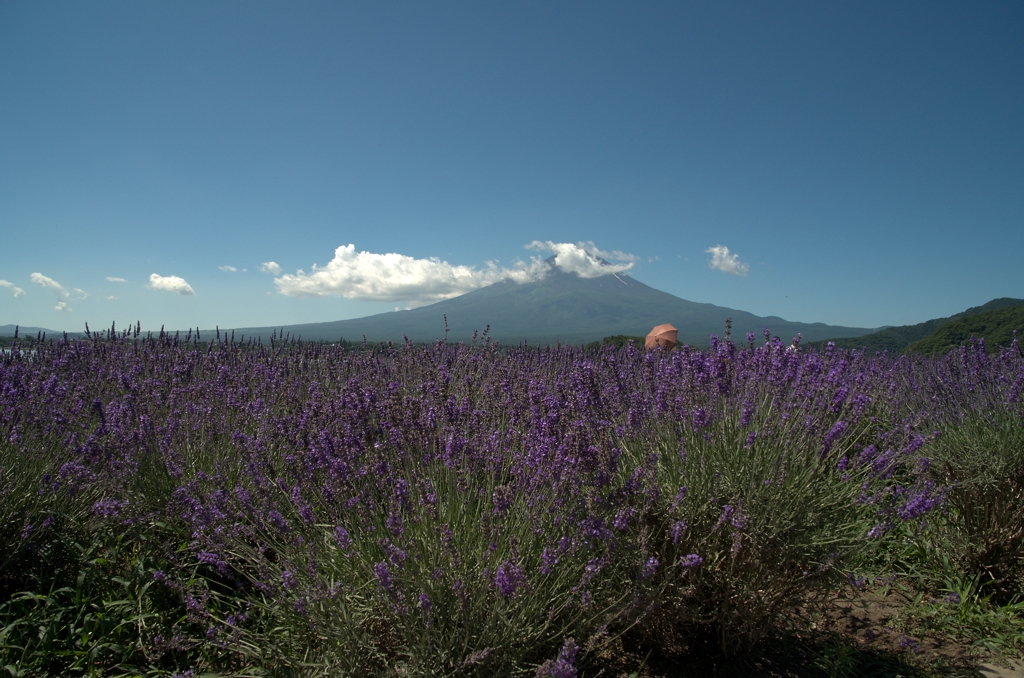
{"x": 8, "y": 331}
{"x": 996, "y": 326}
{"x": 899, "y": 339}
{"x": 562, "y": 307}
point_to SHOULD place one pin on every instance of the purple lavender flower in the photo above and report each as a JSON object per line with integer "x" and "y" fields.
{"x": 692, "y": 560}
{"x": 908, "y": 643}
{"x": 676, "y": 531}
{"x": 383, "y": 574}
{"x": 342, "y": 539}
{"x": 564, "y": 666}
{"x": 738, "y": 520}
{"x": 108, "y": 507}
{"x": 833, "y": 435}
{"x": 288, "y": 580}
{"x": 724, "y": 517}
{"x": 623, "y": 517}
{"x": 394, "y": 524}
{"x": 877, "y": 531}
{"x": 509, "y": 578}
{"x": 395, "y": 555}
{"x": 921, "y": 501}
{"x": 548, "y": 560}
{"x": 649, "y": 568}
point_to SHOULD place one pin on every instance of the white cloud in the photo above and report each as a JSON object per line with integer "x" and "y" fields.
{"x": 62, "y": 294}
{"x": 724, "y": 261}
{"x": 111, "y": 298}
{"x": 49, "y": 283}
{"x": 170, "y": 283}
{"x": 398, "y": 277}
{"x": 112, "y": 279}
{"x": 18, "y": 292}
{"x": 584, "y": 258}
{"x": 228, "y": 269}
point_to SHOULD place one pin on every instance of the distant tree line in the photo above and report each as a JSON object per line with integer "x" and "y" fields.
{"x": 995, "y": 321}
{"x": 617, "y": 340}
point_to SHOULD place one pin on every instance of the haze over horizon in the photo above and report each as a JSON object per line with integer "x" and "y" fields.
{"x": 245, "y": 164}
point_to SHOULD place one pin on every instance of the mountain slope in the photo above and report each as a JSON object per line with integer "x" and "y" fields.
{"x": 898, "y": 339}
{"x": 996, "y": 326}
{"x": 25, "y": 332}
{"x": 560, "y": 307}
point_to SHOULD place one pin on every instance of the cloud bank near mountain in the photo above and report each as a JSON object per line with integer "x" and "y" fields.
{"x": 393, "y": 277}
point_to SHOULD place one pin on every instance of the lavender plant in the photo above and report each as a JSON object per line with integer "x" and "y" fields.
{"x": 770, "y": 467}
{"x": 972, "y": 399}
{"x": 435, "y": 510}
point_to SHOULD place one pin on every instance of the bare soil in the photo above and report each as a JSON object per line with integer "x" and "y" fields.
{"x": 861, "y": 633}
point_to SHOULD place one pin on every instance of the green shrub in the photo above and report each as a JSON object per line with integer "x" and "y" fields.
{"x": 981, "y": 460}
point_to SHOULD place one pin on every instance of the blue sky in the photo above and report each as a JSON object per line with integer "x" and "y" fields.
{"x": 857, "y": 163}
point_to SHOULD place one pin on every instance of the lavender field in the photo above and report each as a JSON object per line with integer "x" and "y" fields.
{"x": 177, "y": 507}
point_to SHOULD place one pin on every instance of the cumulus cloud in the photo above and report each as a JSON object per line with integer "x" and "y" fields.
{"x": 228, "y": 269}
{"x": 724, "y": 261}
{"x": 18, "y": 292}
{"x": 61, "y": 306}
{"x": 113, "y": 279}
{"x": 584, "y": 258}
{"x": 80, "y": 293}
{"x": 398, "y": 277}
{"x": 170, "y": 283}
{"x": 49, "y": 283}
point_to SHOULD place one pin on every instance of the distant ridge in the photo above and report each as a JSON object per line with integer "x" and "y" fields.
{"x": 560, "y": 307}
{"x": 899, "y": 339}
{"x": 996, "y": 326}
{"x": 8, "y": 331}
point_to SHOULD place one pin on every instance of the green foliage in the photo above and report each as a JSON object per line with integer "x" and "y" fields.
{"x": 894, "y": 340}
{"x": 95, "y": 608}
{"x": 981, "y": 460}
{"x": 618, "y": 341}
{"x": 996, "y": 326}
{"x": 968, "y": 611}
{"x": 461, "y": 625}
{"x": 774, "y": 521}
{"x": 898, "y": 340}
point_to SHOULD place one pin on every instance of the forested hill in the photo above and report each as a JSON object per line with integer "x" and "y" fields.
{"x": 996, "y": 326}
{"x": 899, "y": 339}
